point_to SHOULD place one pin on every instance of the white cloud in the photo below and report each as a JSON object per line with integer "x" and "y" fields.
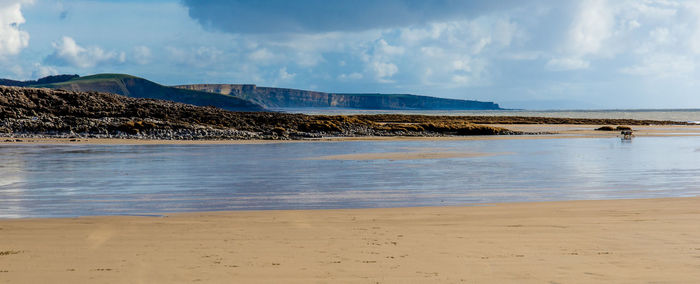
{"x": 462, "y": 65}
{"x": 262, "y": 55}
{"x": 631, "y": 25}
{"x": 660, "y": 35}
{"x": 455, "y": 54}
{"x": 591, "y": 27}
{"x": 12, "y": 38}
{"x": 17, "y": 70}
{"x": 203, "y": 56}
{"x": 379, "y": 59}
{"x": 387, "y": 50}
{"x": 432, "y": 51}
{"x": 609, "y": 45}
{"x": 43, "y": 71}
{"x": 694, "y": 37}
{"x": 655, "y": 9}
{"x": 68, "y": 53}
{"x": 284, "y": 75}
{"x": 142, "y": 54}
{"x": 661, "y": 66}
{"x": 505, "y": 31}
{"x": 308, "y": 59}
{"x": 383, "y": 71}
{"x": 474, "y": 35}
{"x": 416, "y": 35}
{"x": 523, "y": 55}
{"x": 461, "y": 79}
{"x": 623, "y": 31}
{"x": 451, "y": 54}
{"x": 350, "y": 77}
{"x": 565, "y": 64}
{"x": 480, "y": 45}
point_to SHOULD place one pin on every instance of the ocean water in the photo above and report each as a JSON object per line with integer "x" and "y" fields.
{"x": 79, "y": 180}
{"x": 684, "y": 115}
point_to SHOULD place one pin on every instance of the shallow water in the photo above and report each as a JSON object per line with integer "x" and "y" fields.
{"x": 78, "y": 180}
{"x": 684, "y": 115}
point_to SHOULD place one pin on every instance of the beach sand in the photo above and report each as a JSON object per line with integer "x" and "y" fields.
{"x": 613, "y": 241}
{"x": 557, "y": 131}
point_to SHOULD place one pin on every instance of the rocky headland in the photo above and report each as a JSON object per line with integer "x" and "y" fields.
{"x": 293, "y": 98}
{"x": 38, "y": 112}
{"x": 244, "y": 97}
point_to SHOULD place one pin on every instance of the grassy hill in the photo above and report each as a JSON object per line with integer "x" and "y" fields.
{"x": 136, "y": 87}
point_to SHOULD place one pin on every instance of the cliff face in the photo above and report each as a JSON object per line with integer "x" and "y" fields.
{"x": 292, "y": 98}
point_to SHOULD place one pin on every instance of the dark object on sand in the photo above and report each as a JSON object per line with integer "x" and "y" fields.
{"x": 627, "y": 134}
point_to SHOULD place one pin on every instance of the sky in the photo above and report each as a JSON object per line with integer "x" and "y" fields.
{"x": 583, "y": 54}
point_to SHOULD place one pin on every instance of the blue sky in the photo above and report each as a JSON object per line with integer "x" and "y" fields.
{"x": 521, "y": 54}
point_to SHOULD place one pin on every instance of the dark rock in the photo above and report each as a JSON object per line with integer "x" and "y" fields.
{"x": 31, "y": 112}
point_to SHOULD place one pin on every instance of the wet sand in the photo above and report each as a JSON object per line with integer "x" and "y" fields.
{"x": 614, "y": 241}
{"x": 553, "y": 131}
{"x": 421, "y": 155}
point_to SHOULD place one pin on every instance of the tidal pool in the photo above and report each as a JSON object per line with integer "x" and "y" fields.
{"x": 80, "y": 180}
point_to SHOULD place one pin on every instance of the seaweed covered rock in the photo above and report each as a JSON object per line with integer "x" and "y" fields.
{"x": 59, "y": 113}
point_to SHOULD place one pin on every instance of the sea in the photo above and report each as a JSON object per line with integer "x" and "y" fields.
{"x": 69, "y": 180}
{"x": 683, "y": 115}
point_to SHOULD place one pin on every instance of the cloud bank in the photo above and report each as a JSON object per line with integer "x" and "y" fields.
{"x": 68, "y": 53}
{"x": 311, "y": 16}
{"x": 12, "y": 38}
{"x": 620, "y": 53}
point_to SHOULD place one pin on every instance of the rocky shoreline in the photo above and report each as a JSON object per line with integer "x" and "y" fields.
{"x": 46, "y": 113}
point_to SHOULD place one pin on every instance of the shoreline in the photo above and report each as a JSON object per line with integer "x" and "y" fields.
{"x": 624, "y": 240}
{"x": 555, "y": 131}
{"x": 321, "y": 210}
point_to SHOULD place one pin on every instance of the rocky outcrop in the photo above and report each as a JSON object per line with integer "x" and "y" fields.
{"x": 292, "y": 98}
{"x": 60, "y": 113}
{"x": 32, "y": 112}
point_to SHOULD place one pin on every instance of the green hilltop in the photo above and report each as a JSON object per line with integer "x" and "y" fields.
{"x": 136, "y": 87}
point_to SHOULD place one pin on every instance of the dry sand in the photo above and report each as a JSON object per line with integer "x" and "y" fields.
{"x": 569, "y": 130}
{"x": 618, "y": 241}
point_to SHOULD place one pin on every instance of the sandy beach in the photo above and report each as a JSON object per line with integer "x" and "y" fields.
{"x": 401, "y": 141}
{"x": 618, "y": 241}
{"x": 615, "y": 241}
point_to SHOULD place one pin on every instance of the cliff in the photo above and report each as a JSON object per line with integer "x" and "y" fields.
{"x": 292, "y": 98}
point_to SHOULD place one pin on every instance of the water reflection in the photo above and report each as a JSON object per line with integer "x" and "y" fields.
{"x": 71, "y": 180}
{"x": 12, "y": 169}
